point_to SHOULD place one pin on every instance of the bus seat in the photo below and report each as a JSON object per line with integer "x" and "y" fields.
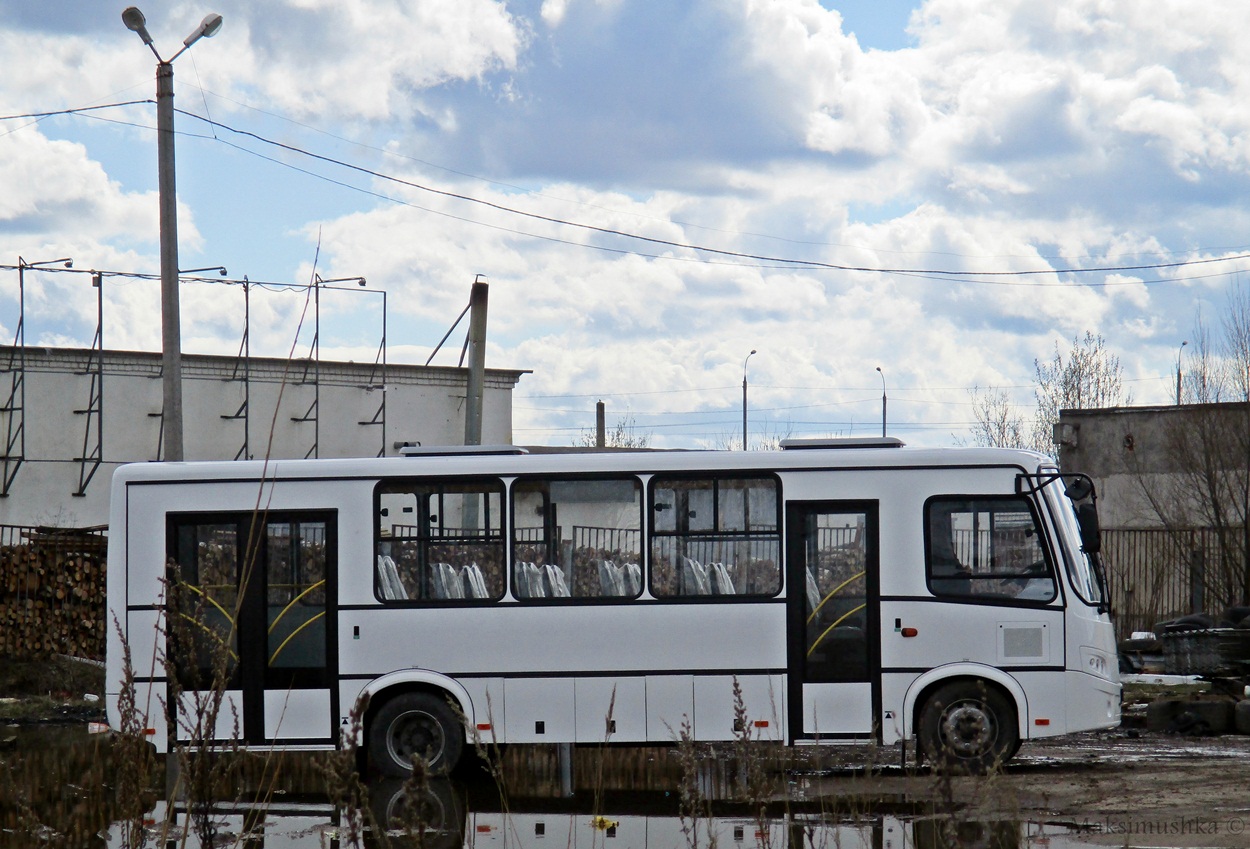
{"x": 452, "y": 585}
{"x": 633, "y": 579}
{"x": 527, "y": 581}
{"x": 554, "y": 583}
{"x": 474, "y": 581}
{"x": 388, "y": 579}
{"x": 694, "y": 578}
{"x": 520, "y": 581}
{"x": 610, "y": 580}
{"x": 720, "y": 581}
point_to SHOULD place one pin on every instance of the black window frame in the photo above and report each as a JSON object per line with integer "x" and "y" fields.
{"x": 251, "y": 531}
{"x": 423, "y": 488}
{"x": 979, "y": 503}
{"x": 551, "y": 555}
{"x": 659, "y": 480}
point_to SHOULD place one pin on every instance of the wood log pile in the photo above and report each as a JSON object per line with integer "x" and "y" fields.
{"x": 52, "y": 593}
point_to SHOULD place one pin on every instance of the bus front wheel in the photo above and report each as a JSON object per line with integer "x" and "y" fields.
{"x": 415, "y": 726}
{"x": 968, "y": 726}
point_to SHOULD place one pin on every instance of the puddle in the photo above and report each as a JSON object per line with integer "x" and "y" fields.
{"x": 60, "y": 785}
{"x": 454, "y": 826}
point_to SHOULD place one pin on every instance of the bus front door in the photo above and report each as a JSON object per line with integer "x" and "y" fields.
{"x": 834, "y": 647}
{"x": 252, "y": 620}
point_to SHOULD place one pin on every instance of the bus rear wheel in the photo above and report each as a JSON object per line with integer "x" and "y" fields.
{"x": 968, "y": 727}
{"x": 415, "y": 726}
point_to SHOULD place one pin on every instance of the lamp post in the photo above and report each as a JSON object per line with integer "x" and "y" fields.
{"x": 880, "y": 372}
{"x": 1178, "y": 371}
{"x": 744, "y": 399}
{"x": 171, "y": 332}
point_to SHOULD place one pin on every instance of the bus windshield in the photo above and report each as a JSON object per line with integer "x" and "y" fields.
{"x": 1084, "y": 568}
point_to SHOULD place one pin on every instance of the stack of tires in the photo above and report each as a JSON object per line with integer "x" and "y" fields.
{"x": 1209, "y": 647}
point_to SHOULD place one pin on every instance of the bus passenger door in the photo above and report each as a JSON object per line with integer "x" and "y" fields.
{"x": 252, "y": 605}
{"x": 297, "y": 664}
{"x": 834, "y": 628}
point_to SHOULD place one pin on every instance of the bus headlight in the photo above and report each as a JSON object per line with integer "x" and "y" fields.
{"x": 1096, "y": 662}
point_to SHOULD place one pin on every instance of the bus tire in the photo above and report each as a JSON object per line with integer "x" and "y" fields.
{"x": 969, "y": 727}
{"x": 415, "y": 725}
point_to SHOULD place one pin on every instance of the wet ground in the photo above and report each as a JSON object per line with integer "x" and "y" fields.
{"x": 58, "y": 786}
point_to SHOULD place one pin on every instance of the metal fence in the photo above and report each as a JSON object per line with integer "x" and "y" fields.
{"x": 1157, "y": 574}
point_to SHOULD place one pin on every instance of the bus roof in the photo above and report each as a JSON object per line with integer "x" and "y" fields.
{"x": 537, "y": 460}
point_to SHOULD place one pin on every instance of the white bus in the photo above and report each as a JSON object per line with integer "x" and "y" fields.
{"x": 854, "y": 590}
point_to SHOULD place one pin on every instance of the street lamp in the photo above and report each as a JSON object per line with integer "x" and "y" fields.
{"x": 880, "y": 372}
{"x": 171, "y": 334}
{"x": 1178, "y": 371}
{"x": 744, "y": 399}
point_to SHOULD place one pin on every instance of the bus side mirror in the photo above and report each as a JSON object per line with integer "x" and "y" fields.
{"x": 1091, "y": 534}
{"x": 1080, "y": 489}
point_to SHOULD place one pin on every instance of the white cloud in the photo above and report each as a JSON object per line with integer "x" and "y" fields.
{"x": 1014, "y": 136}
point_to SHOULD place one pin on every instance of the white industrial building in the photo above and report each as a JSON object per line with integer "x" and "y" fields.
{"x": 70, "y": 416}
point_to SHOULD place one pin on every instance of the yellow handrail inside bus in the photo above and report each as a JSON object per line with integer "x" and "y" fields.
{"x": 835, "y": 624}
{"x": 193, "y": 588}
{"x": 291, "y": 636}
{"x": 832, "y": 593}
{"x": 216, "y": 635}
{"x": 293, "y": 602}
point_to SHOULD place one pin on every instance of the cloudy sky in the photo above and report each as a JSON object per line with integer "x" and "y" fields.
{"x": 943, "y": 190}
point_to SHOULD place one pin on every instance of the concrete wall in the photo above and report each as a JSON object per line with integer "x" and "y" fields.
{"x": 1131, "y": 453}
{"x": 423, "y": 405}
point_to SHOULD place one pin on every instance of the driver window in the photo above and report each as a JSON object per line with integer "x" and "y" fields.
{"x": 986, "y": 548}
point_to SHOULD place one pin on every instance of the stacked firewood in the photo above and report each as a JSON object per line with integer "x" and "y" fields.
{"x": 52, "y": 593}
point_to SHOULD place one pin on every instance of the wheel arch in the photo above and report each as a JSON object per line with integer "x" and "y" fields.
{"x": 381, "y": 690}
{"x": 925, "y": 685}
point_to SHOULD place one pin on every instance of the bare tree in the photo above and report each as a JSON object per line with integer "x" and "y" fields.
{"x": 768, "y": 439}
{"x": 999, "y": 422}
{"x": 1237, "y": 342}
{"x": 1207, "y": 377}
{"x": 1089, "y": 377}
{"x": 624, "y": 435}
{"x": 1203, "y": 499}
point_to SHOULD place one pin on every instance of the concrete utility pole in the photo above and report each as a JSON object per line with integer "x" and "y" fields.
{"x": 171, "y": 328}
{"x": 477, "y": 362}
{"x": 601, "y": 425}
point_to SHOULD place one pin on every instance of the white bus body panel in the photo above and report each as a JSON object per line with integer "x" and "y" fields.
{"x": 843, "y": 709}
{"x": 624, "y": 700}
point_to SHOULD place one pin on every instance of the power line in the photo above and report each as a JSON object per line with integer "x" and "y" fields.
{"x": 775, "y": 261}
{"x": 782, "y": 261}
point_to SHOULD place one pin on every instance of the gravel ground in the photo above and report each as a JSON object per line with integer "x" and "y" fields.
{"x": 1117, "y": 788}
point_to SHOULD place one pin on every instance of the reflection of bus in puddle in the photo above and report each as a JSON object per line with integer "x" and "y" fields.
{"x": 443, "y": 820}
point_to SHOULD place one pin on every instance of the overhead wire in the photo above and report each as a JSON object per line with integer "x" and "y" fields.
{"x": 779, "y": 262}
{"x": 672, "y": 243}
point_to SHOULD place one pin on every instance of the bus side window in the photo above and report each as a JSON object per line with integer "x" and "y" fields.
{"x": 986, "y": 547}
{"x": 439, "y": 541}
{"x": 714, "y": 536}
{"x": 576, "y": 538}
